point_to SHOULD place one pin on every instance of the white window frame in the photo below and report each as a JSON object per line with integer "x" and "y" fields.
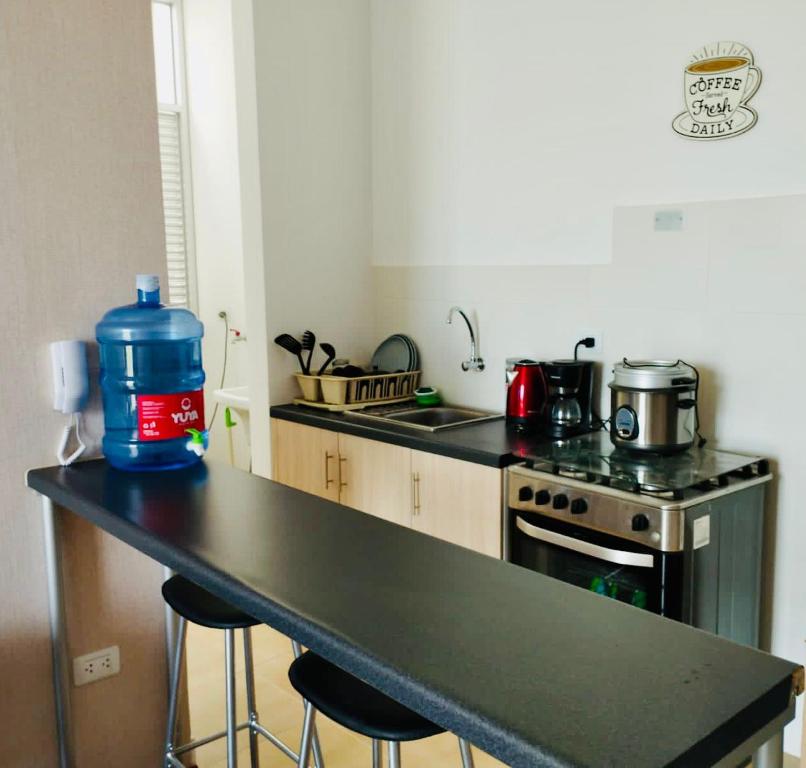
{"x": 181, "y": 109}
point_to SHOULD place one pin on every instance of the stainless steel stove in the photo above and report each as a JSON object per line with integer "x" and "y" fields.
{"x": 678, "y": 535}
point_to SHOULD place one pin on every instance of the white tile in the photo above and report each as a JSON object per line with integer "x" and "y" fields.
{"x": 758, "y": 255}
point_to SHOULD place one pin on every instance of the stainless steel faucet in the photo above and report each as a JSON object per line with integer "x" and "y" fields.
{"x": 474, "y": 363}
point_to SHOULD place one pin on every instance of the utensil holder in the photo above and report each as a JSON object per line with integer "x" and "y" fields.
{"x": 339, "y": 390}
{"x": 311, "y": 387}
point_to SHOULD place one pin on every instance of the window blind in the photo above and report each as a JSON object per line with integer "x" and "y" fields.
{"x": 173, "y": 200}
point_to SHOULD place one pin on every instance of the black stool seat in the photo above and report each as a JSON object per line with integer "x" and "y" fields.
{"x": 354, "y": 704}
{"x": 201, "y": 607}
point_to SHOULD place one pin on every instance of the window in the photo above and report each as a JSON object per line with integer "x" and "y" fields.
{"x": 174, "y": 156}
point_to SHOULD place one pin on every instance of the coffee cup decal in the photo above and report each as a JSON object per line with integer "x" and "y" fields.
{"x": 718, "y": 81}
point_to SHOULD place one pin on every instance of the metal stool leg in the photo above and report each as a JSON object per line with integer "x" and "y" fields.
{"x": 179, "y": 650}
{"x": 318, "y": 759}
{"x": 467, "y": 755}
{"x": 232, "y": 723}
{"x": 251, "y": 706}
{"x": 307, "y": 735}
{"x": 394, "y": 754}
{"x": 377, "y": 747}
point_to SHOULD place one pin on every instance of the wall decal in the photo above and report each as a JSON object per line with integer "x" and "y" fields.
{"x": 718, "y": 81}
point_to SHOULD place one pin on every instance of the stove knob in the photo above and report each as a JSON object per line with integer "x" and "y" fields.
{"x": 579, "y": 507}
{"x": 542, "y": 497}
{"x": 525, "y": 493}
{"x": 560, "y": 501}
{"x": 640, "y": 522}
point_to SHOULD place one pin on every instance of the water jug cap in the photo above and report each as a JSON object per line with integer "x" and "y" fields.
{"x": 148, "y": 283}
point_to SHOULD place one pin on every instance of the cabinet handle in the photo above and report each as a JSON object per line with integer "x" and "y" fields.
{"x": 415, "y": 482}
{"x": 342, "y": 461}
{"x": 328, "y": 478}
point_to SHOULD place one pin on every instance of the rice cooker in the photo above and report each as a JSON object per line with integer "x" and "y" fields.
{"x": 653, "y": 405}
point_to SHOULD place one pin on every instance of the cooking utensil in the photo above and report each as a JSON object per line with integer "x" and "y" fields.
{"x": 290, "y": 344}
{"x": 308, "y": 344}
{"x": 348, "y": 371}
{"x": 330, "y": 351}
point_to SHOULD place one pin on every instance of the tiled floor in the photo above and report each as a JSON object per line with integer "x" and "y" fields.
{"x": 280, "y": 710}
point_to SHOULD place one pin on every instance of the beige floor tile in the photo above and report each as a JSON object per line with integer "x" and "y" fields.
{"x": 280, "y": 710}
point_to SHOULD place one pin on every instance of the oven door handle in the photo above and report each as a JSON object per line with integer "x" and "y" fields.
{"x": 584, "y": 547}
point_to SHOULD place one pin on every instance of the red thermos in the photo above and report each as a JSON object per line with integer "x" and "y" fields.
{"x": 527, "y": 395}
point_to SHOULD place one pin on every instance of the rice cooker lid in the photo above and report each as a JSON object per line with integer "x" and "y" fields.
{"x": 653, "y": 374}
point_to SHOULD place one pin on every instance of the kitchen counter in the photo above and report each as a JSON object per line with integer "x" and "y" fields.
{"x": 489, "y": 442}
{"x": 530, "y": 669}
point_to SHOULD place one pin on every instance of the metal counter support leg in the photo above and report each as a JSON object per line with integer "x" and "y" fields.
{"x": 171, "y": 627}
{"x": 173, "y": 695}
{"x": 771, "y": 753}
{"x": 232, "y": 722}
{"x": 58, "y": 636}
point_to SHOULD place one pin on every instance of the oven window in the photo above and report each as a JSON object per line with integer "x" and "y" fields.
{"x": 653, "y": 586}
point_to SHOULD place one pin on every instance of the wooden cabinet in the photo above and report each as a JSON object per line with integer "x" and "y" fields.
{"x": 375, "y": 478}
{"x": 454, "y": 500}
{"x": 457, "y": 501}
{"x": 306, "y": 458}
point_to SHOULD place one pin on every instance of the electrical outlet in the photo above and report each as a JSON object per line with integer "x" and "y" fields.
{"x": 96, "y": 665}
{"x": 597, "y": 342}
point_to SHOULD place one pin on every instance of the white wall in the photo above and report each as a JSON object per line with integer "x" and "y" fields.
{"x": 475, "y": 163}
{"x": 217, "y": 205}
{"x": 81, "y": 214}
{"x": 504, "y": 132}
{"x": 313, "y": 101}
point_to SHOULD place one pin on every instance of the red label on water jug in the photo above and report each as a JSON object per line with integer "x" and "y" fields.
{"x": 165, "y": 417}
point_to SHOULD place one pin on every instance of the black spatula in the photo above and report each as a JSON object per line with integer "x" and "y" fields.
{"x": 330, "y": 351}
{"x": 290, "y": 344}
{"x": 308, "y": 344}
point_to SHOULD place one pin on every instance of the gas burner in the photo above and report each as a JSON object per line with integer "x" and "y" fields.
{"x": 575, "y": 474}
{"x": 593, "y": 459}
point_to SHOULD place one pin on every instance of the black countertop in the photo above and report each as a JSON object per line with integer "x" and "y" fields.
{"x": 489, "y": 442}
{"x": 535, "y": 671}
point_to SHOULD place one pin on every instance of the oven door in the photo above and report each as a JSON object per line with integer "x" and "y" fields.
{"x": 610, "y": 566}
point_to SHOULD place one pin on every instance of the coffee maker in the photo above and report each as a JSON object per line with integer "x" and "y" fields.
{"x": 569, "y": 409}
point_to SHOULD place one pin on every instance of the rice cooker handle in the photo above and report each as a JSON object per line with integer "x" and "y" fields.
{"x": 685, "y": 381}
{"x": 687, "y": 403}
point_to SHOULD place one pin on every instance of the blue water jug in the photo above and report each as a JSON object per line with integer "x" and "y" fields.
{"x": 151, "y": 381}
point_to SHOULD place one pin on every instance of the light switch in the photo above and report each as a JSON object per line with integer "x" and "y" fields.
{"x": 668, "y": 221}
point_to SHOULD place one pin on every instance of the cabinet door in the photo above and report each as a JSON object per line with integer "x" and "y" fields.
{"x": 305, "y": 458}
{"x": 457, "y": 501}
{"x": 375, "y": 478}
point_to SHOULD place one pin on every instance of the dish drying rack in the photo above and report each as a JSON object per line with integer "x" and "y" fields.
{"x": 339, "y": 393}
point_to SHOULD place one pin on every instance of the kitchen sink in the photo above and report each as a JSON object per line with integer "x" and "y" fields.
{"x": 429, "y": 419}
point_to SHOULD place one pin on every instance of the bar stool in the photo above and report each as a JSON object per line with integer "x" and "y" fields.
{"x": 192, "y": 603}
{"x": 360, "y": 708}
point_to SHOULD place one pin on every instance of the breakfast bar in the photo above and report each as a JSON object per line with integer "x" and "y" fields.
{"x": 534, "y": 671}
